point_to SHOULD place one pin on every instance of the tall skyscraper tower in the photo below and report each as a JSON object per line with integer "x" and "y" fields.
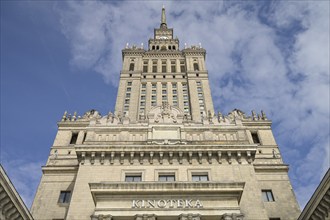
{"x": 164, "y": 153}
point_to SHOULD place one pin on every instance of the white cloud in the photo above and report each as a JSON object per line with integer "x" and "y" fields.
{"x": 274, "y": 58}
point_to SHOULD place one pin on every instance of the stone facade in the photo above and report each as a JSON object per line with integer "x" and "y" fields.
{"x": 164, "y": 153}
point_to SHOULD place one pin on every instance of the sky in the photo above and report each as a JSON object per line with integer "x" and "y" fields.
{"x": 61, "y": 56}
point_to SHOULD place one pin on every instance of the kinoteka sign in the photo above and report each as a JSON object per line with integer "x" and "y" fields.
{"x": 167, "y": 203}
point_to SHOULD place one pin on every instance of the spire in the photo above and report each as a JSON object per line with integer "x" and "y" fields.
{"x": 163, "y": 19}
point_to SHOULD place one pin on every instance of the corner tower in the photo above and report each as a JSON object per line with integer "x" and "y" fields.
{"x": 164, "y": 154}
{"x": 164, "y": 74}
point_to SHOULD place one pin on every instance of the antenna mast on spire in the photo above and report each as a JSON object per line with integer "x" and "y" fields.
{"x": 163, "y": 19}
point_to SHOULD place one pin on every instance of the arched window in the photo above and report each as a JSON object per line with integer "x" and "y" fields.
{"x": 169, "y": 47}
{"x": 196, "y": 67}
{"x": 131, "y": 67}
{"x": 157, "y": 47}
{"x": 173, "y": 47}
{"x": 153, "y": 47}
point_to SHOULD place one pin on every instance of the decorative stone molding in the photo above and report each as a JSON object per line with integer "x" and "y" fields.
{"x": 190, "y": 216}
{"x": 101, "y": 217}
{"x": 109, "y": 156}
{"x": 145, "y": 217}
{"x": 232, "y": 216}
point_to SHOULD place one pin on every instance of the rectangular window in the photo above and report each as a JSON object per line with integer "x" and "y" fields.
{"x": 182, "y": 69}
{"x": 153, "y": 92}
{"x": 164, "y": 92}
{"x": 267, "y": 196}
{"x": 144, "y": 86}
{"x": 133, "y": 178}
{"x": 154, "y": 86}
{"x": 198, "y": 83}
{"x": 128, "y": 95}
{"x": 173, "y": 69}
{"x": 199, "y": 89}
{"x": 125, "y": 108}
{"x": 164, "y": 86}
{"x": 74, "y": 138}
{"x": 128, "y": 89}
{"x": 184, "y": 86}
{"x": 200, "y": 178}
{"x": 185, "y": 103}
{"x": 175, "y": 97}
{"x": 163, "y": 69}
{"x": 143, "y": 91}
{"x": 154, "y": 69}
{"x": 145, "y": 66}
{"x": 185, "y": 97}
{"x": 174, "y": 85}
{"x": 175, "y": 103}
{"x": 129, "y": 83}
{"x": 153, "y": 103}
{"x": 143, "y": 97}
{"x": 153, "y": 97}
{"x": 126, "y": 101}
{"x": 142, "y": 103}
{"x": 166, "y": 178}
{"x": 255, "y": 138}
{"x": 174, "y": 91}
{"x": 145, "y": 69}
{"x": 65, "y": 197}
{"x": 164, "y": 97}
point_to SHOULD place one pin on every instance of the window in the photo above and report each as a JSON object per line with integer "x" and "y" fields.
{"x": 255, "y": 138}
{"x": 185, "y": 103}
{"x": 197, "y": 74}
{"x": 198, "y": 83}
{"x": 74, "y": 138}
{"x": 128, "y": 89}
{"x": 126, "y": 101}
{"x": 163, "y": 69}
{"x": 164, "y": 97}
{"x": 174, "y": 91}
{"x": 174, "y": 85}
{"x": 153, "y": 91}
{"x": 173, "y": 69}
{"x": 144, "y": 86}
{"x": 65, "y": 197}
{"x": 166, "y": 178}
{"x": 200, "y": 178}
{"x": 129, "y": 83}
{"x": 267, "y": 196}
{"x": 154, "y": 66}
{"x": 143, "y": 91}
{"x": 164, "y": 86}
{"x": 196, "y": 67}
{"x": 131, "y": 67}
{"x": 175, "y": 97}
{"x": 154, "y": 86}
{"x": 185, "y": 97}
{"x": 128, "y": 95}
{"x": 145, "y": 66}
{"x": 182, "y": 66}
{"x": 199, "y": 89}
{"x": 133, "y": 178}
{"x": 153, "y": 97}
{"x": 164, "y": 92}
{"x": 143, "y": 97}
{"x": 142, "y": 103}
{"x": 175, "y": 103}
{"x": 153, "y": 103}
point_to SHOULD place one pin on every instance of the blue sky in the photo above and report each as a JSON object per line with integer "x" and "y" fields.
{"x": 261, "y": 55}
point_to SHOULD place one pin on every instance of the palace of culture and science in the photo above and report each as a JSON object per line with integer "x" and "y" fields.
{"x": 164, "y": 153}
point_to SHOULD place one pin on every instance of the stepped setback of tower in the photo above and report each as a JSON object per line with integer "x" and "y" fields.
{"x": 164, "y": 153}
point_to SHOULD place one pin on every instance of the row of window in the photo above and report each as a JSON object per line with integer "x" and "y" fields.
{"x": 167, "y": 178}
{"x": 157, "y": 47}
